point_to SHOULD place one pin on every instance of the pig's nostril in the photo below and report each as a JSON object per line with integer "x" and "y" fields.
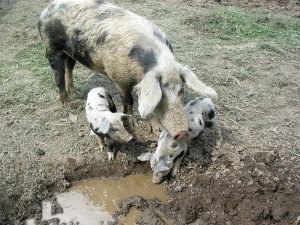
{"x": 182, "y": 135}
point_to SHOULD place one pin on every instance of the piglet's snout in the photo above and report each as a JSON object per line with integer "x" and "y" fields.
{"x": 181, "y": 135}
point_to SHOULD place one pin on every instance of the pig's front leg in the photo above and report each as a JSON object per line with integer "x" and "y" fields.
{"x": 101, "y": 142}
{"x": 155, "y": 127}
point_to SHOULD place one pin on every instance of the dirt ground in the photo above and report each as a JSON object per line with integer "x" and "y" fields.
{"x": 253, "y": 178}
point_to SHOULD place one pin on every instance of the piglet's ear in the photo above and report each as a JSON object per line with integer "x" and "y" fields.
{"x": 149, "y": 93}
{"x": 161, "y": 166}
{"x": 104, "y": 126}
{"x": 145, "y": 156}
{"x": 192, "y": 81}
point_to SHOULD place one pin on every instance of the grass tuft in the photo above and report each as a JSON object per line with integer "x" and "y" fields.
{"x": 233, "y": 24}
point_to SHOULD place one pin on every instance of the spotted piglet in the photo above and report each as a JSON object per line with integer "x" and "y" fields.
{"x": 169, "y": 152}
{"x": 104, "y": 121}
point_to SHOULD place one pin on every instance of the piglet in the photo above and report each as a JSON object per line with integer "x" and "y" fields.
{"x": 104, "y": 121}
{"x": 169, "y": 153}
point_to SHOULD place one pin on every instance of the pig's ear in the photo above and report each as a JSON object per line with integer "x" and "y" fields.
{"x": 145, "y": 156}
{"x": 192, "y": 81}
{"x": 149, "y": 93}
{"x": 104, "y": 126}
{"x": 161, "y": 166}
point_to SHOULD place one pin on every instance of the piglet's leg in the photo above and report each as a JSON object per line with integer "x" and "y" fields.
{"x": 127, "y": 102}
{"x": 110, "y": 149}
{"x": 101, "y": 143}
{"x": 155, "y": 128}
{"x": 177, "y": 164}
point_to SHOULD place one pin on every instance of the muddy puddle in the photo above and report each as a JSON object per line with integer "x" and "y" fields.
{"x": 94, "y": 201}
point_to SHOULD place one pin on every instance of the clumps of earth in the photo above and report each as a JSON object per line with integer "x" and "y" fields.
{"x": 149, "y": 208}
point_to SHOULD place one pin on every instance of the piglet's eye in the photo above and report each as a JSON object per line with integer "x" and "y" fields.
{"x": 180, "y": 92}
{"x": 114, "y": 129}
{"x": 174, "y": 145}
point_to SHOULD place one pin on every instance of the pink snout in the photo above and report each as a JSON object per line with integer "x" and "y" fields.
{"x": 181, "y": 135}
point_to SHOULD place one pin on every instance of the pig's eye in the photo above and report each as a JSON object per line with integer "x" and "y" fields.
{"x": 114, "y": 129}
{"x": 180, "y": 92}
{"x": 174, "y": 145}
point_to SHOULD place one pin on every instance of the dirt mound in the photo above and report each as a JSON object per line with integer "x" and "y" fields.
{"x": 261, "y": 190}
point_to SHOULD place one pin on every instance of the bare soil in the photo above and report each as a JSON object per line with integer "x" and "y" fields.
{"x": 253, "y": 178}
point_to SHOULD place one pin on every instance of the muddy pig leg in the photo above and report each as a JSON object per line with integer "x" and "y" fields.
{"x": 69, "y": 66}
{"x": 127, "y": 101}
{"x": 57, "y": 62}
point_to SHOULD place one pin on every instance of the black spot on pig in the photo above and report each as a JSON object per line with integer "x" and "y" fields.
{"x": 101, "y": 96}
{"x": 79, "y": 49}
{"x": 169, "y": 45}
{"x": 102, "y": 37}
{"x": 208, "y": 124}
{"x": 192, "y": 120}
{"x": 146, "y": 58}
{"x": 163, "y": 40}
{"x": 191, "y": 112}
{"x": 112, "y": 106}
{"x": 200, "y": 122}
{"x": 91, "y": 108}
{"x": 190, "y": 129}
{"x": 56, "y": 33}
{"x": 211, "y": 114}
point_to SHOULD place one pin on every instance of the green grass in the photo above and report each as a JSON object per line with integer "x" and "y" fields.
{"x": 234, "y": 24}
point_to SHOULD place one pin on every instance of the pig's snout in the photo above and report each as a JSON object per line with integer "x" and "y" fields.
{"x": 181, "y": 135}
{"x": 156, "y": 179}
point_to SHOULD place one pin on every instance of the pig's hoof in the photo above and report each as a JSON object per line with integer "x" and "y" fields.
{"x": 72, "y": 91}
{"x": 155, "y": 130}
{"x": 111, "y": 156}
{"x": 64, "y": 98}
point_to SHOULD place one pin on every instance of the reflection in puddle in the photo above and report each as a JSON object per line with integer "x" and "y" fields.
{"x": 93, "y": 201}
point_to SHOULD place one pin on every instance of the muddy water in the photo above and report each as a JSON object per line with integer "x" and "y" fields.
{"x": 93, "y": 201}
